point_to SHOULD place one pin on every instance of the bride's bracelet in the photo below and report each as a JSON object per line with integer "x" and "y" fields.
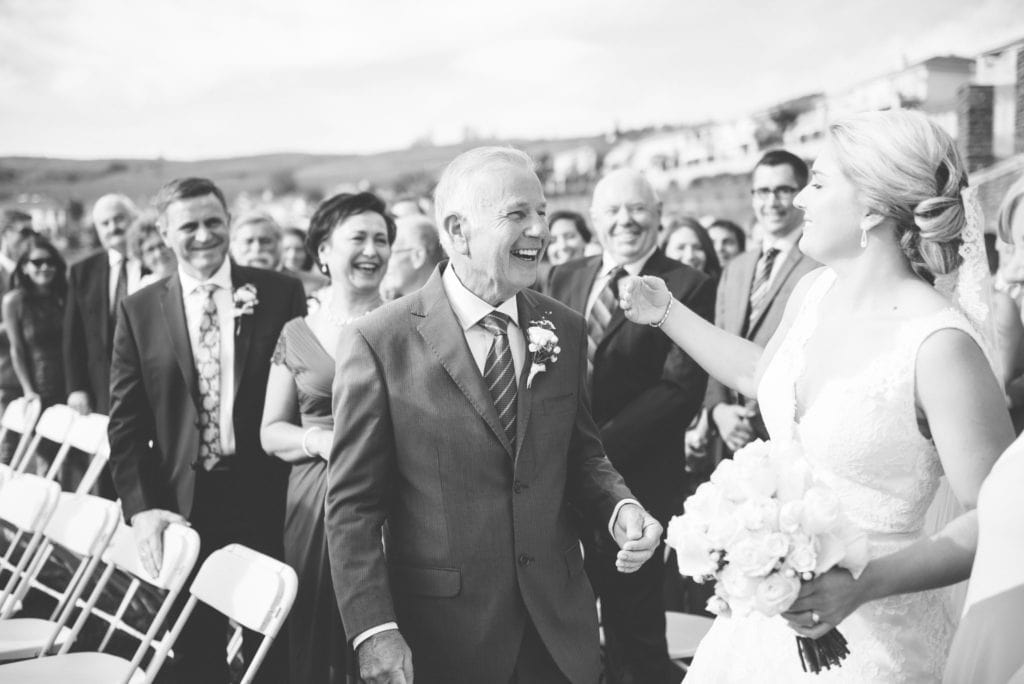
{"x": 305, "y": 436}
{"x": 668, "y": 307}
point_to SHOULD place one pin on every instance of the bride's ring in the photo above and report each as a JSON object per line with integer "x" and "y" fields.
{"x": 815, "y": 618}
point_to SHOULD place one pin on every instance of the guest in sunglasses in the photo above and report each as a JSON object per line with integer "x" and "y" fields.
{"x": 33, "y": 312}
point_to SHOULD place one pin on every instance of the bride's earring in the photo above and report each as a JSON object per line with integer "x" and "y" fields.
{"x": 863, "y": 238}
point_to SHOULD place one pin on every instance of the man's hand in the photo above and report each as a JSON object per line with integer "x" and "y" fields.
{"x": 385, "y": 658}
{"x": 733, "y": 423}
{"x": 638, "y": 536}
{"x": 79, "y": 401}
{"x": 149, "y": 527}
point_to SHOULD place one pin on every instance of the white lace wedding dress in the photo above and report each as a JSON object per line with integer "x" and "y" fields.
{"x": 862, "y": 439}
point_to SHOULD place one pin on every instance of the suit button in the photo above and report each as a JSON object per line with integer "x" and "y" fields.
{"x": 518, "y": 487}
{"x": 525, "y": 559}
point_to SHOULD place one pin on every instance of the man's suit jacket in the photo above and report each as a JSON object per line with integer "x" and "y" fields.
{"x": 646, "y": 390}
{"x": 8, "y": 378}
{"x": 733, "y": 304}
{"x": 477, "y": 537}
{"x": 87, "y": 339}
{"x": 154, "y": 415}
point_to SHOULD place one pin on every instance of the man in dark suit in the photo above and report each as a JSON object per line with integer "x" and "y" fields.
{"x": 754, "y": 289}
{"x": 644, "y": 393}
{"x": 467, "y": 448}
{"x": 191, "y": 359}
{"x": 15, "y": 227}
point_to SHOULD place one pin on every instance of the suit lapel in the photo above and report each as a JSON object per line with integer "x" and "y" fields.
{"x": 243, "y": 327}
{"x": 173, "y": 306}
{"x": 792, "y": 259}
{"x": 744, "y": 281}
{"x": 442, "y": 332}
{"x": 524, "y": 400}
{"x": 584, "y": 283}
{"x": 101, "y": 285}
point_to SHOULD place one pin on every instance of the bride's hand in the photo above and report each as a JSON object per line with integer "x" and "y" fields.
{"x": 824, "y": 602}
{"x": 643, "y": 298}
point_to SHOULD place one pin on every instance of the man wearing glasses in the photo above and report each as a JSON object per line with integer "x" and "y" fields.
{"x": 754, "y": 289}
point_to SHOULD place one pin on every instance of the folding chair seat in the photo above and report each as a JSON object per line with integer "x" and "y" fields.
{"x": 26, "y": 504}
{"x": 53, "y": 426}
{"x": 19, "y": 418}
{"x": 83, "y": 526}
{"x": 181, "y": 548}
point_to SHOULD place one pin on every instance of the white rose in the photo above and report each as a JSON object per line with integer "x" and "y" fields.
{"x": 831, "y": 549}
{"x": 693, "y": 549}
{"x": 776, "y": 593}
{"x": 753, "y": 451}
{"x": 791, "y": 516}
{"x": 760, "y": 514}
{"x": 727, "y": 478}
{"x": 757, "y": 474}
{"x": 718, "y": 606}
{"x": 793, "y": 471}
{"x": 752, "y": 556}
{"x": 776, "y": 545}
{"x": 821, "y": 510}
{"x": 803, "y": 554}
{"x": 724, "y": 531}
{"x": 707, "y": 504}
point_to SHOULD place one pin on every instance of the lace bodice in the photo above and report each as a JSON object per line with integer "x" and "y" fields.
{"x": 861, "y": 435}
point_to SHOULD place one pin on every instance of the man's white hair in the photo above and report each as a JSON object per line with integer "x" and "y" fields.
{"x": 116, "y": 198}
{"x": 451, "y": 194}
{"x": 257, "y": 216}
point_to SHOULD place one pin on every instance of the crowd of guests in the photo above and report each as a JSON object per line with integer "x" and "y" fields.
{"x": 663, "y": 424}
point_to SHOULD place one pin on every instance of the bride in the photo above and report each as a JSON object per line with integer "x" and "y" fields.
{"x": 886, "y": 386}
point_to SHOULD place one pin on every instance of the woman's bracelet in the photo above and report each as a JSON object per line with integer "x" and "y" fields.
{"x": 305, "y": 436}
{"x": 668, "y": 307}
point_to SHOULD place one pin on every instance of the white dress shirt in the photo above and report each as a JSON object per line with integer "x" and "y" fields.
{"x": 784, "y": 244}
{"x": 194, "y": 297}
{"x": 133, "y": 270}
{"x": 470, "y": 310}
{"x": 608, "y": 264}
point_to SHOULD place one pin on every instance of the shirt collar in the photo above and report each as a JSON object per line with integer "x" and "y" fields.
{"x": 221, "y": 278}
{"x": 783, "y": 244}
{"x": 469, "y": 308}
{"x": 608, "y": 263}
{"x": 114, "y": 258}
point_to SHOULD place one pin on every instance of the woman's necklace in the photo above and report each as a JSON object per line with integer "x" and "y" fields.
{"x": 338, "y": 321}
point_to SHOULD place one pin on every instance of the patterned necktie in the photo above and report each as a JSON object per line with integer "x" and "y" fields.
{"x": 759, "y": 288}
{"x": 208, "y": 371}
{"x": 500, "y": 373}
{"x": 601, "y": 315}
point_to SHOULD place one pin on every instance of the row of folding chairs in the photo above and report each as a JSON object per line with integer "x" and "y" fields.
{"x": 60, "y": 425}
{"x": 251, "y": 589}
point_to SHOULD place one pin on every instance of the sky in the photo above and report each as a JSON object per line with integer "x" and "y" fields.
{"x": 191, "y": 79}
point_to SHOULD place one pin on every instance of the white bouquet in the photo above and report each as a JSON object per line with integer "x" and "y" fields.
{"x": 759, "y": 527}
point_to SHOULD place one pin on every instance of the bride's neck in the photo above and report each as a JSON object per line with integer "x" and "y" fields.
{"x": 868, "y": 281}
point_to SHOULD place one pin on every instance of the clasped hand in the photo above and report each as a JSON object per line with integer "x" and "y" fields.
{"x": 148, "y": 528}
{"x": 637, "y": 534}
{"x": 824, "y": 602}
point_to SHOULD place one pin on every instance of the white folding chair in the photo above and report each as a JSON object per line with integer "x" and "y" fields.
{"x": 181, "y": 548}
{"x": 684, "y": 633}
{"x": 20, "y": 418}
{"x": 26, "y": 504}
{"x": 88, "y": 434}
{"x": 82, "y": 525}
{"x": 53, "y": 426}
{"x": 249, "y": 587}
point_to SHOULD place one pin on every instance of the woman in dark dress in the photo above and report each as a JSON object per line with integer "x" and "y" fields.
{"x": 350, "y": 238}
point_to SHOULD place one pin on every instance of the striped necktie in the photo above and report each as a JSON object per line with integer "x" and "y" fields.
{"x": 759, "y": 288}
{"x": 208, "y": 374}
{"x": 601, "y": 315}
{"x": 500, "y": 373}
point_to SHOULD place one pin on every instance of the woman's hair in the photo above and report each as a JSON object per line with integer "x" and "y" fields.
{"x": 1008, "y": 208}
{"x": 141, "y": 229}
{"x": 741, "y": 237}
{"x": 909, "y": 169}
{"x": 20, "y": 281}
{"x": 292, "y": 231}
{"x": 336, "y": 209}
{"x": 576, "y": 218}
{"x": 711, "y": 265}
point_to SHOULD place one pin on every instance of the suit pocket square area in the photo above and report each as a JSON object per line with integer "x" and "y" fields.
{"x": 431, "y": 582}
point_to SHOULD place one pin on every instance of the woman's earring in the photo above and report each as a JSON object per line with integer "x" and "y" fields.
{"x": 324, "y": 269}
{"x": 863, "y": 239}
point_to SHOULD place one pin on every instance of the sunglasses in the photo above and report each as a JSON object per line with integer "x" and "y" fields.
{"x": 39, "y": 263}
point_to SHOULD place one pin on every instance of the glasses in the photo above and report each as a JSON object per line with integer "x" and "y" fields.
{"x": 782, "y": 192}
{"x": 39, "y": 263}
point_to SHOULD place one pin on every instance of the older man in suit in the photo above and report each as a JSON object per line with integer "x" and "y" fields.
{"x": 191, "y": 359}
{"x": 645, "y": 391}
{"x": 754, "y": 289}
{"x": 463, "y": 430}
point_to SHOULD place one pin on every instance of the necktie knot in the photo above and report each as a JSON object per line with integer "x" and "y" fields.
{"x": 208, "y": 288}
{"x": 495, "y": 323}
{"x": 614, "y": 277}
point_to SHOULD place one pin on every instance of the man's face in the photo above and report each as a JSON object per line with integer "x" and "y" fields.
{"x": 774, "y": 188}
{"x": 257, "y": 245}
{"x": 626, "y": 216}
{"x": 497, "y": 240}
{"x": 196, "y": 229}
{"x": 111, "y": 219}
{"x": 14, "y": 237}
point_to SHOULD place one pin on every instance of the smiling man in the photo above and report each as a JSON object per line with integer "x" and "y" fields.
{"x": 450, "y": 440}
{"x": 644, "y": 392}
{"x": 189, "y": 371}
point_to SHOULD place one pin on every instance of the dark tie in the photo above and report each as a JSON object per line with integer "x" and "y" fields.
{"x": 208, "y": 372}
{"x": 601, "y": 315}
{"x": 759, "y": 288}
{"x": 500, "y": 373}
{"x": 120, "y": 292}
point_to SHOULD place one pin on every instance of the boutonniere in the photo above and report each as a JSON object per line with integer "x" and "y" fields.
{"x": 245, "y": 302}
{"x": 543, "y": 345}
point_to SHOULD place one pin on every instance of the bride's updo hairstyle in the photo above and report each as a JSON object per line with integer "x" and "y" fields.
{"x": 908, "y": 168}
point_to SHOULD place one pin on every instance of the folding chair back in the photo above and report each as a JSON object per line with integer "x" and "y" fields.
{"x": 247, "y": 586}
{"x": 20, "y": 417}
{"x": 87, "y": 434}
{"x": 54, "y": 426}
{"x": 26, "y": 504}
